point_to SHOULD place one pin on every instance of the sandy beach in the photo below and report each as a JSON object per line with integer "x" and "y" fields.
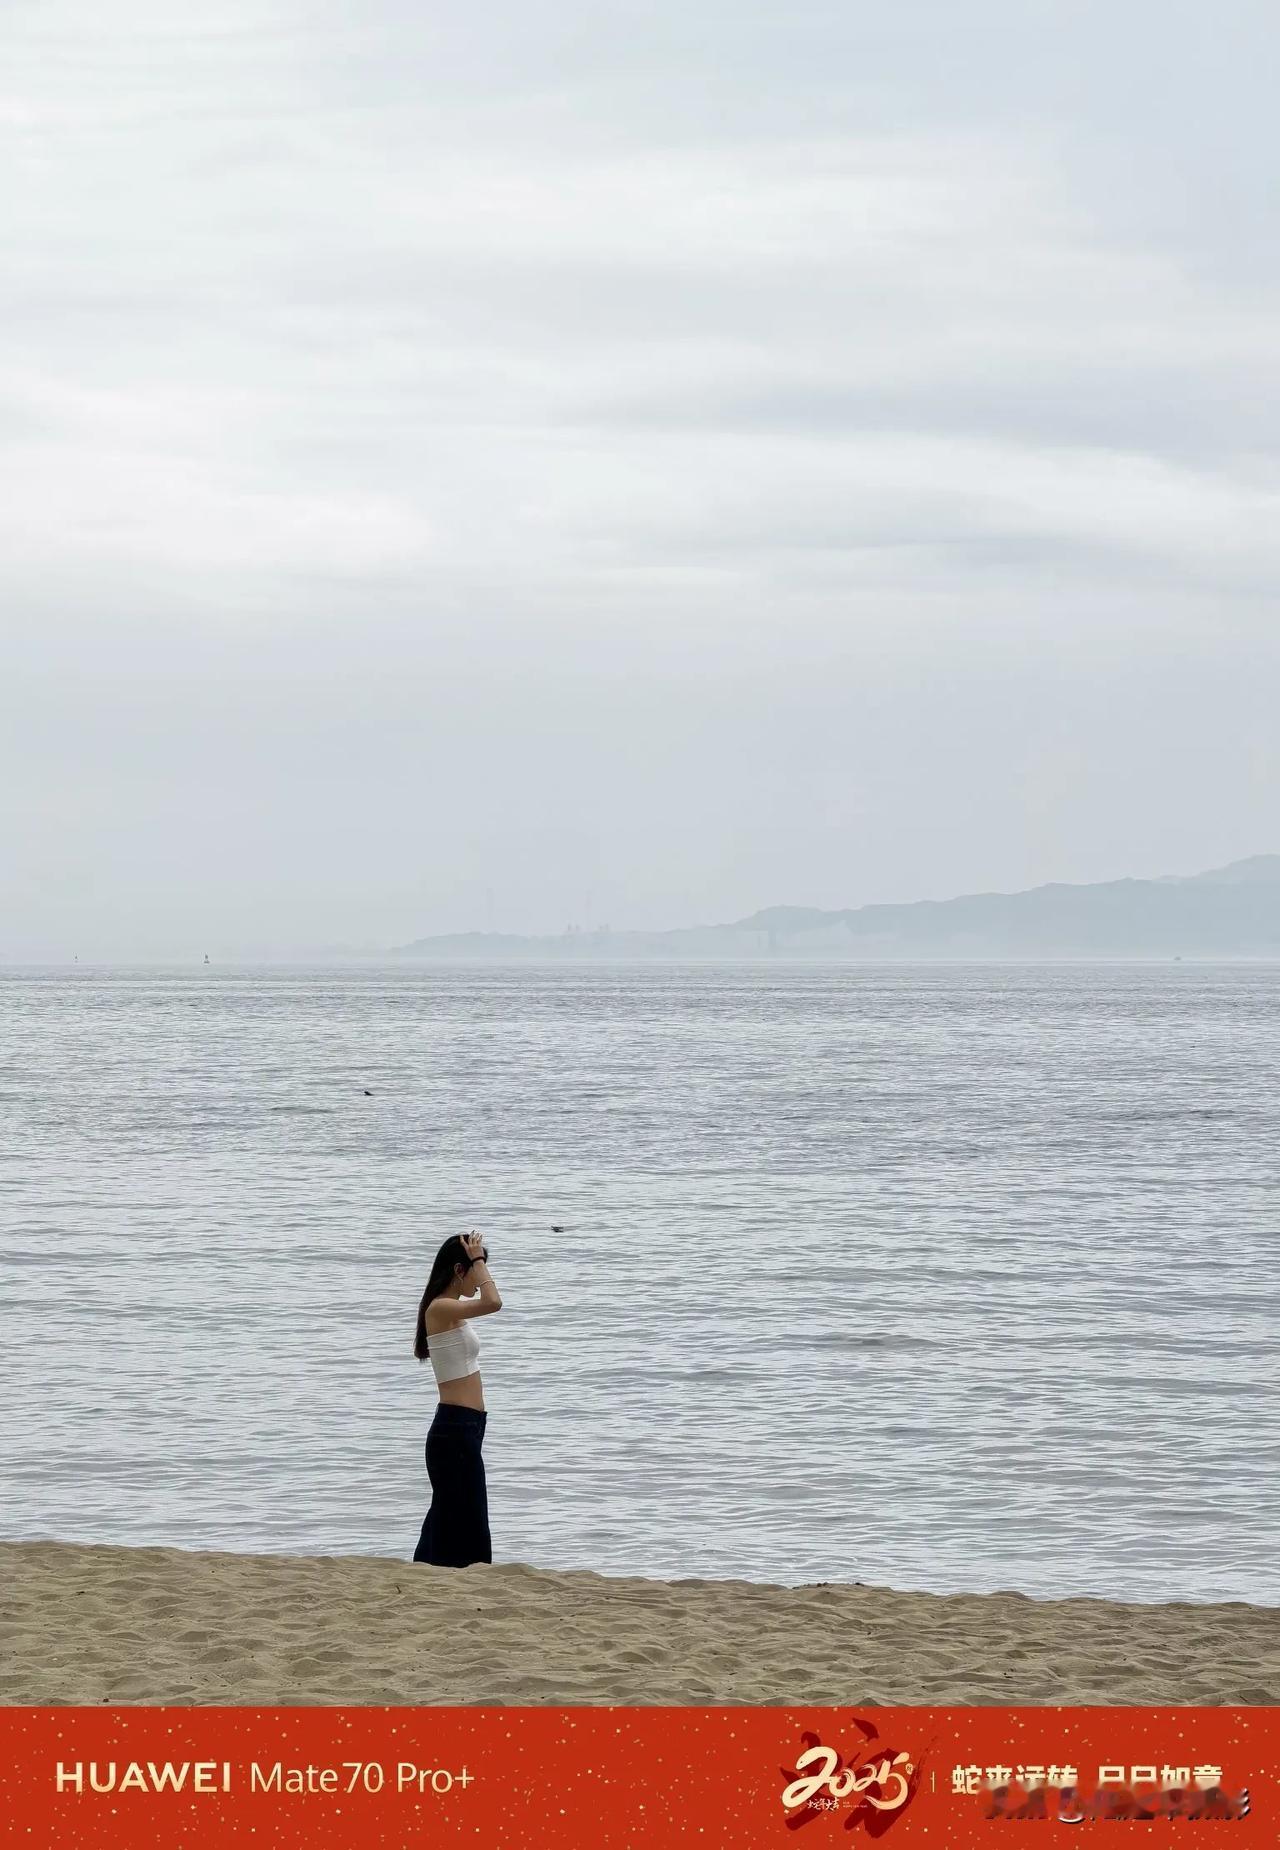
{"x": 89, "y": 1625}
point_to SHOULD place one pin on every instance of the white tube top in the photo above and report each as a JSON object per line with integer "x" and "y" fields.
{"x": 454, "y": 1352}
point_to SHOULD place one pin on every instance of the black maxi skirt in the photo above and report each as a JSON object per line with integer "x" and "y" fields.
{"x": 456, "y": 1530}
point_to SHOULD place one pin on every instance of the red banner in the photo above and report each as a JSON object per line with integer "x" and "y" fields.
{"x": 618, "y": 1778}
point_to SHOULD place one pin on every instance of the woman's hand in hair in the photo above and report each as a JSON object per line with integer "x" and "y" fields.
{"x": 480, "y": 1274}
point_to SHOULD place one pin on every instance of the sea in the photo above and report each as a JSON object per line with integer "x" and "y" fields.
{"x": 948, "y": 1277}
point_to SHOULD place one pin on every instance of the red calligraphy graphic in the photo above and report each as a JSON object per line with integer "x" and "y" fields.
{"x": 868, "y": 1789}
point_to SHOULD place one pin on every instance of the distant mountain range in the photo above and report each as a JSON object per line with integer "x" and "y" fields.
{"x": 1228, "y": 912}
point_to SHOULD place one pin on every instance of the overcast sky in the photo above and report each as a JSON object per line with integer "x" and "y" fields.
{"x": 500, "y": 465}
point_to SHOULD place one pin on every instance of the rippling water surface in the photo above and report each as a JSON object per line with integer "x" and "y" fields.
{"x": 942, "y": 1277}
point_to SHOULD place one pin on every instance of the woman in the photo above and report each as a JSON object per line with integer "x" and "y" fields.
{"x": 456, "y": 1530}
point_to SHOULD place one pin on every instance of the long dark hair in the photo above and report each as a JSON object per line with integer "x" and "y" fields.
{"x": 452, "y": 1253}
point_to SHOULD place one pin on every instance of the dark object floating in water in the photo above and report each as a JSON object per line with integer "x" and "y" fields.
{"x": 367, "y": 1092}
{"x": 559, "y": 1230}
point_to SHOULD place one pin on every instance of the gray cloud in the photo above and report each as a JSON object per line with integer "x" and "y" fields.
{"x": 447, "y": 453}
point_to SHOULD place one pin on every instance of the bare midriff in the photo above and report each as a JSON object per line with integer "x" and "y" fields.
{"x": 464, "y": 1392}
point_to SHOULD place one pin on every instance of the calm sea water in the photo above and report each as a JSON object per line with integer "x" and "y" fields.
{"x": 940, "y": 1277}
